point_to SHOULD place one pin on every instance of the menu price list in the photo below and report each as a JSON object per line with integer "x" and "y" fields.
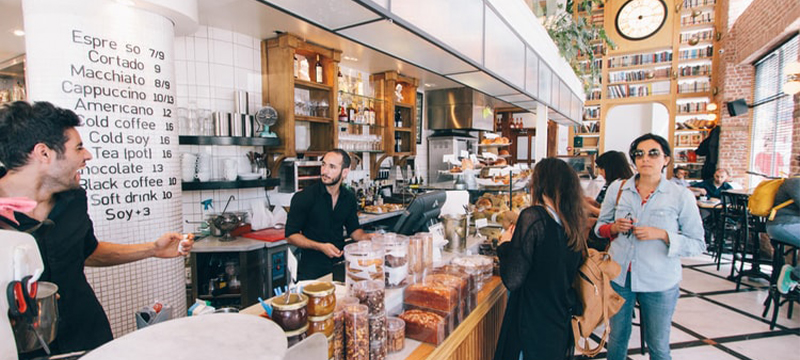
{"x": 123, "y": 92}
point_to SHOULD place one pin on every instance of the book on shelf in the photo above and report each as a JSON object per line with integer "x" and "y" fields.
{"x": 588, "y": 128}
{"x": 639, "y": 75}
{"x": 637, "y": 90}
{"x": 591, "y": 112}
{"x": 692, "y": 19}
{"x": 703, "y": 35}
{"x": 640, "y": 59}
{"x": 698, "y": 53}
{"x": 693, "y": 87}
{"x": 688, "y": 4}
{"x": 695, "y": 70}
{"x": 691, "y": 107}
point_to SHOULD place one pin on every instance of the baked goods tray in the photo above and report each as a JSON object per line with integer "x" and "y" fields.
{"x": 381, "y": 213}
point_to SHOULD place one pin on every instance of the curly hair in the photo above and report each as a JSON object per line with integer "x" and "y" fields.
{"x": 23, "y": 125}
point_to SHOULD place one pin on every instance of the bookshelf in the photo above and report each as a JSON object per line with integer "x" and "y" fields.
{"x": 674, "y": 67}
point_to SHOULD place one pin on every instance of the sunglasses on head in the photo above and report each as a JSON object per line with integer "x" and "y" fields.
{"x": 653, "y": 153}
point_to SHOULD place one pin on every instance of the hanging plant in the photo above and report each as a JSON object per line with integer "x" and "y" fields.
{"x": 575, "y": 35}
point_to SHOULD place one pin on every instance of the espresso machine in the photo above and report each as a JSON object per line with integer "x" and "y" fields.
{"x": 19, "y": 258}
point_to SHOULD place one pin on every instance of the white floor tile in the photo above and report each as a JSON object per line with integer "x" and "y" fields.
{"x": 752, "y": 302}
{"x": 774, "y": 348}
{"x": 713, "y": 321}
{"x": 699, "y": 282}
{"x": 704, "y": 352}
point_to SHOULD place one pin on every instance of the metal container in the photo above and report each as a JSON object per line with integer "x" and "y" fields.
{"x": 460, "y": 108}
{"x": 222, "y": 123}
{"x": 455, "y": 231}
{"x": 241, "y": 102}
{"x": 45, "y": 323}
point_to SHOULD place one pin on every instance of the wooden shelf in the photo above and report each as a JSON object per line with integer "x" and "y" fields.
{"x": 404, "y": 105}
{"x": 694, "y": 26}
{"x": 588, "y": 134}
{"x": 642, "y": 66}
{"x": 694, "y": 94}
{"x": 403, "y": 129}
{"x": 311, "y": 85}
{"x": 591, "y": 119}
{"x": 238, "y": 184}
{"x": 314, "y": 119}
{"x": 640, "y": 81}
{"x": 691, "y": 130}
{"x": 681, "y": 77}
{"x": 228, "y": 140}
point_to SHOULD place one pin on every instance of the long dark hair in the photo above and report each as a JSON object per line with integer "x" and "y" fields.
{"x": 559, "y": 182}
{"x": 615, "y": 164}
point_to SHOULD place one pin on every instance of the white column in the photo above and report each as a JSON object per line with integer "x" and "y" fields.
{"x": 113, "y": 65}
{"x": 541, "y": 132}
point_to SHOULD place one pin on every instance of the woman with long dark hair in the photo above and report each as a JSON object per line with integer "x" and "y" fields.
{"x": 653, "y": 224}
{"x": 612, "y": 165}
{"x": 539, "y": 264}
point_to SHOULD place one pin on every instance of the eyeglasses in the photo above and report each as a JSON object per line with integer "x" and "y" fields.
{"x": 653, "y": 154}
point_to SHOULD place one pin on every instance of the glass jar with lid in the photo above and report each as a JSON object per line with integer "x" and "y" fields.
{"x": 396, "y": 259}
{"x": 290, "y": 313}
{"x": 321, "y": 324}
{"x": 296, "y": 336}
{"x": 321, "y": 298}
{"x": 363, "y": 261}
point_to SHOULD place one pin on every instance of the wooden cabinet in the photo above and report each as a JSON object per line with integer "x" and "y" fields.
{"x": 399, "y": 114}
{"x": 308, "y": 105}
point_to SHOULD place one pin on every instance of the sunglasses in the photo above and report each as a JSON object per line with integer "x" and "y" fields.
{"x": 653, "y": 153}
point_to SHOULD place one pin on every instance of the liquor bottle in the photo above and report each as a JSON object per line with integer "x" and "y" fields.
{"x": 342, "y": 113}
{"x": 398, "y": 119}
{"x": 351, "y": 112}
{"x": 397, "y": 143}
{"x": 512, "y": 124}
{"x": 318, "y": 71}
{"x": 520, "y": 125}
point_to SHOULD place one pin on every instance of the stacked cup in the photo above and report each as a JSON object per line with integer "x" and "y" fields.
{"x": 188, "y": 166}
{"x": 203, "y": 167}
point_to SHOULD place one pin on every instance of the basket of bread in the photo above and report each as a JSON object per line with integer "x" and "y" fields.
{"x": 382, "y": 209}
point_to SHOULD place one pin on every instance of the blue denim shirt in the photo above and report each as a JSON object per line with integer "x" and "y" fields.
{"x": 654, "y": 265}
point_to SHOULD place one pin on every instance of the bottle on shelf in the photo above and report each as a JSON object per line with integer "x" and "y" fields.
{"x": 398, "y": 142}
{"x": 351, "y": 112}
{"x": 318, "y": 71}
{"x": 342, "y": 114}
{"x": 398, "y": 119}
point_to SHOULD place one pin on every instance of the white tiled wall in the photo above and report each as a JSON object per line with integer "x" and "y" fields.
{"x": 210, "y": 66}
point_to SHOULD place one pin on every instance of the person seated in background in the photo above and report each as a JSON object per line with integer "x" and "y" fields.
{"x": 713, "y": 188}
{"x": 680, "y": 176}
{"x": 509, "y": 223}
{"x": 785, "y": 227}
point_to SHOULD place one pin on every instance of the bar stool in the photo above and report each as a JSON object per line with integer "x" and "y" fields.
{"x": 729, "y": 226}
{"x": 774, "y": 299}
{"x": 749, "y": 250}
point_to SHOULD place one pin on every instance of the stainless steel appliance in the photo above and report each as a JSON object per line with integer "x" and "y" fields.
{"x": 295, "y": 175}
{"x": 460, "y": 108}
{"x": 445, "y": 144}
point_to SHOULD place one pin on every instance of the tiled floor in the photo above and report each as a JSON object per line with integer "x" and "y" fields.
{"x": 714, "y": 321}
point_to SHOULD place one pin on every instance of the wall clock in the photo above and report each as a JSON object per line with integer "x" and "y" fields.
{"x": 640, "y": 19}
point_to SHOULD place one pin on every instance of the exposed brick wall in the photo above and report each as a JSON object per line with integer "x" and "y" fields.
{"x": 758, "y": 28}
{"x": 763, "y": 25}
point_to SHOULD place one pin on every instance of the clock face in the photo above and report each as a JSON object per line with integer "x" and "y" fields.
{"x": 640, "y": 19}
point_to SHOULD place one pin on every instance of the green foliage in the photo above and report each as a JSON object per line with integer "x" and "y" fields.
{"x": 575, "y": 34}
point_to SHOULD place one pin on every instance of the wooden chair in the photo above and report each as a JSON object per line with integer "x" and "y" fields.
{"x": 775, "y": 298}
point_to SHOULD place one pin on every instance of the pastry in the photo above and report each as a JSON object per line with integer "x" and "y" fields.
{"x": 455, "y": 169}
{"x": 483, "y": 203}
{"x": 424, "y": 326}
{"x": 431, "y": 296}
{"x": 500, "y": 162}
{"x": 504, "y": 153}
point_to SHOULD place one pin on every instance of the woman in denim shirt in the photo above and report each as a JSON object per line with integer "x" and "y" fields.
{"x": 655, "y": 223}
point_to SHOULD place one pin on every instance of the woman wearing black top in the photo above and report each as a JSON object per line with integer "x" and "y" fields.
{"x": 539, "y": 265}
{"x": 612, "y": 165}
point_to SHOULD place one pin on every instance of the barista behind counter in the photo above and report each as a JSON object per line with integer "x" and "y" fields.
{"x": 317, "y": 215}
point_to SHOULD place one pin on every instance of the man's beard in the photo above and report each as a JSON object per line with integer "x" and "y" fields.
{"x": 334, "y": 181}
